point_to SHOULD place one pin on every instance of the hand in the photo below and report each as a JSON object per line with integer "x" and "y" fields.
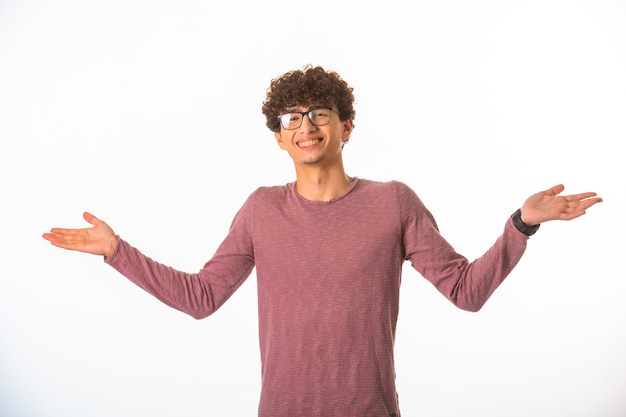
{"x": 548, "y": 205}
{"x": 97, "y": 240}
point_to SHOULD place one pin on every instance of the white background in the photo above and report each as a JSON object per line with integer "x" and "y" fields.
{"x": 147, "y": 113}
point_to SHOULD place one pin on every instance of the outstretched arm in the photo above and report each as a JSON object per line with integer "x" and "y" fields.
{"x": 549, "y": 205}
{"x": 197, "y": 294}
{"x": 97, "y": 240}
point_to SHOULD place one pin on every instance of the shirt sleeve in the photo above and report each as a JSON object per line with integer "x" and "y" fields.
{"x": 466, "y": 284}
{"x": 197, "y": 294}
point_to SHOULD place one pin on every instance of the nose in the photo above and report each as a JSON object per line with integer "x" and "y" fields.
{"x": 307, "y": 125}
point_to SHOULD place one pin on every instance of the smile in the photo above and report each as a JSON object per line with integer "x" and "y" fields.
{"x": 308, "y": 143}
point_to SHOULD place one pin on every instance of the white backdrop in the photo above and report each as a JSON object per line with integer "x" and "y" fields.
{"x": 147, "y": 113}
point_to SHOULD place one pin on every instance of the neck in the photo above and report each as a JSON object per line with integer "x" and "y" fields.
{"x": 321, "y": 184}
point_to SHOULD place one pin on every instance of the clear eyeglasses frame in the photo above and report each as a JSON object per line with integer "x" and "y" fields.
{"x": 319, "y": 116}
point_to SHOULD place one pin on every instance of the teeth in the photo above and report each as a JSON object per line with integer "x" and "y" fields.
{"x": 308, "y": 143}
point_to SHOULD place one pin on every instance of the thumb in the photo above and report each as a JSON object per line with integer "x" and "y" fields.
{"x": 90, "y": 218}
{"x": 557, "y": 189}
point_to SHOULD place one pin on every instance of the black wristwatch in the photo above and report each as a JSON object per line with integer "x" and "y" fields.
{"x": 521, "y": 226}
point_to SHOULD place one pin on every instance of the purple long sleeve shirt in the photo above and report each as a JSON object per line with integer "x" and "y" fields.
{"x": 328, "y": 276}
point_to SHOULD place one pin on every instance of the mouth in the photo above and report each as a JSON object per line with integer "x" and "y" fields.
{"x": 308, "y": 143}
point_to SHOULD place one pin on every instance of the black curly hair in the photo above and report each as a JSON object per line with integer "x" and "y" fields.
{"x": 306, "y": 87}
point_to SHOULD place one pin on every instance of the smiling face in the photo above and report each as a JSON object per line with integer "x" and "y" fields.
{"x": 314, "y": 145}
{"x": 306, "y": 87}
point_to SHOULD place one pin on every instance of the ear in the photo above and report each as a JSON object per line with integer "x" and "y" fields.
{"x": 279, "y": 140}
{"x": 348, "y": 125}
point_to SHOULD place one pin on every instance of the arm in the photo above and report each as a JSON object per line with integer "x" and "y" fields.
{"x": 470, "y": 284}
{"x": 198, "y": 295}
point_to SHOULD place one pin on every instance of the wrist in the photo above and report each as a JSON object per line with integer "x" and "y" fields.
{"x": 112, "y": 246}
{"x": 521, "y": 226}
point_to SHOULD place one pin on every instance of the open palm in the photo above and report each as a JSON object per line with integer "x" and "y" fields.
{"x": 98, "y": 240}
{"x": 549, "y": 205}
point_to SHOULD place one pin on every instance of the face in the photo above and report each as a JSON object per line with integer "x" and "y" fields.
{"x": 315, "y": 145}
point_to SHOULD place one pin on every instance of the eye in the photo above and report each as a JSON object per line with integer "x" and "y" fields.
{"x": 320, "y": 114}
{"x": 290, "y": 120}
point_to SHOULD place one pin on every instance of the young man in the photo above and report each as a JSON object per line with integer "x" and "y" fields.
{"x": 328, "y": 251}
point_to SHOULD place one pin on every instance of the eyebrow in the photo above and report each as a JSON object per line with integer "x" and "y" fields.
{"x": 292, "y": 109}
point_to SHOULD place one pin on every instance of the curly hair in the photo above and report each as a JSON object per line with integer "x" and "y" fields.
{"x": 306, "y": 87}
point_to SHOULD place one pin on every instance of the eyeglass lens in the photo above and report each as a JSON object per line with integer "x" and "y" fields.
{"x": 293, "y": 120}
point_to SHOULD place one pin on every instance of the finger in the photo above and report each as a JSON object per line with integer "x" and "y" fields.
{"x": 90, "y": 218}
{"x": 586, "y": 203}
{"x": 581, "y": 196}
{"x": 57, "y": 240}
{"x": 576, "y": 209}
{"x": 71, "y": 245}
{"x": 66, "y": 232}
{"x": 59, "y": 236}
{"x": 48, "y": 236}
{"x": 557, "y": 189}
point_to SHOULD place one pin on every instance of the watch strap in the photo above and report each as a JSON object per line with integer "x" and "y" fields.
{"x": 521, "y": 226}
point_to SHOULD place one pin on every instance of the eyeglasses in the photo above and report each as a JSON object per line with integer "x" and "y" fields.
{"x": 293, "y": 119}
